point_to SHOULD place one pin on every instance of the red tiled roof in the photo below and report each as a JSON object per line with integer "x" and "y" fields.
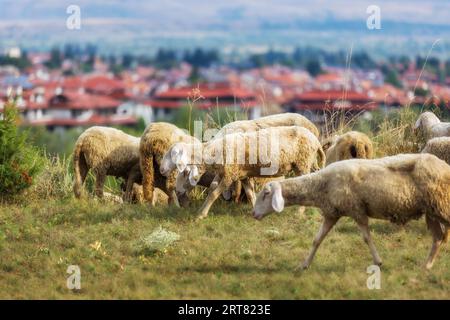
{"x": 318, "y": 95}
{"x": 328, "y": 77}
{"x": 333, "y": 99}
{"x": 77, "y": 100}
{"x": 94, "y": 120}
{"x": 207, "y": 92}
{"x": 388, "y": 94}
{"x": 155, "y": 103}
{"x": 74, "y": 82}
{"x": 102, "y": 83}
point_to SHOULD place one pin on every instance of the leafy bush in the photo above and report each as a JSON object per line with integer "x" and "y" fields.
{"x": 19, "y": 162}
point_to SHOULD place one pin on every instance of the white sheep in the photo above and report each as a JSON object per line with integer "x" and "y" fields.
{"x": 429, "y": 126}
{"x": 106, "y": 152}
{"x": 278, "y": 120}
{"x": 241, "y": 156}
{"x": 350, "y": 145}
{"x": 440, "y": 147}
{"x": 155, "y": 141}
{"x": 272, "y": 121}
{"x": 397, "y": 188}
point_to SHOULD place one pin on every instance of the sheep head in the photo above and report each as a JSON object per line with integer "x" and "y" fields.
{"x": 269, "y": 200}
{"x": 425, "y": 121}
{"x": 187, "y": 179}
{"x": 175, "y": 157}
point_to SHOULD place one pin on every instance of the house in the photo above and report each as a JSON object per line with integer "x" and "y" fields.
{"x": 65, "y": 109}
{"x": 441, "y": 95}
{"x": 210, "y": 96}
{"x": 316, "y": 104}
{"x": 388, "y": 96}
{"x": 97, "y": 84}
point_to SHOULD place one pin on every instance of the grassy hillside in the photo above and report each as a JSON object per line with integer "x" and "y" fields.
{"x": 227, "y": 255}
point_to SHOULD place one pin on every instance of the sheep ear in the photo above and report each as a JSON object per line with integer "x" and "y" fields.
{"x": 181, "y": 160}
{"x": 193, "y": 175}
{"x": 417, "y": 125}
{"x": 277, "y": 200}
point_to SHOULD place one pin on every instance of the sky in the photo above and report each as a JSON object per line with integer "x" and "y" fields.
{"x": 144, "y": 24}
{"x": 193, "y": 12}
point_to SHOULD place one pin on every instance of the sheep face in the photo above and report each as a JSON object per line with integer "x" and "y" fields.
{"x": 176, "y": 157}
{"x": 269, "y": 200}
{"x": 187, "y": 179}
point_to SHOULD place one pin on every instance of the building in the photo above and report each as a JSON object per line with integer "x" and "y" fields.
{"x": 207, "y": 97}
{"x": 316, "y": 104}
{"x": 75, "y": 102}
{"x": 67, "y": 109}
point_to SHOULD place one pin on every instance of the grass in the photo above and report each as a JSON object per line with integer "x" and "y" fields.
{"x": 134, "y": 251}
{"x": 211, "y": 259}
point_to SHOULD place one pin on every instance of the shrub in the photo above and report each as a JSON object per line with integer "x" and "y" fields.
{"x": 395, "y": 134}
{"x": 55, "y": 179}
{"x": 157, "y": 242}
{"x": 19, "y": 162}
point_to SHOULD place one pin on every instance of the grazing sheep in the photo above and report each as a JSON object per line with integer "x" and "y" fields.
{"x": 429, "y": 126}
{"x": 107, "y": 152}
{"x": 277, "y": 120}
{"x": 398, "y": 188}
{"x": 155, "y": 141}
{"x": 239, "y": 156}
{"x": 285, "y": 119}
{"x": 440, "y": 147}
{"x": 350, "y": 145}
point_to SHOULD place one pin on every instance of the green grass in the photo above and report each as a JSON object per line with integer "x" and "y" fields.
{"x": 228, "y": 255}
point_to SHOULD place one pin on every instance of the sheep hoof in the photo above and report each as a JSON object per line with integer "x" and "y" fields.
{"x": 301, "y": 267}
{"x": 200, "y": 217}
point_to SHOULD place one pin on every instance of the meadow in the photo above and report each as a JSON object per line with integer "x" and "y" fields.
{"x": 229, "y": 255}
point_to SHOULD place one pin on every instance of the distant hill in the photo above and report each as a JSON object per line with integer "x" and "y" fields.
{"x": 236, "y": 24}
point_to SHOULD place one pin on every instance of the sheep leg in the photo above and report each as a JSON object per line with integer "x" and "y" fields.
{"x": 99, "y": 183}
{"x": 327, "y": 225}
{"x": 364, "y": 228}
{"x": 438, "y": 238}
{"x": 212, "y": 197}
{"x": 170, "y": 189}
{"x": 237, "y": 191}
{"x": 137, "y": 193}
{"x": 249, "y": 191}
{"x": 173, "y": 198}
{"x": 146, "y": 163}
{"x": 132, "y": 179}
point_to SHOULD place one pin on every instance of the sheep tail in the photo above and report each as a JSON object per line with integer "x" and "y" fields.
{"x": 79, "y": 165}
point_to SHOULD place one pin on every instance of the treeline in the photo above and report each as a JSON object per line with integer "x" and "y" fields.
{"x": 313, "y": 60}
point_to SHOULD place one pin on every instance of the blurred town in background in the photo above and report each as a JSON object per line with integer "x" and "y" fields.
{"x": 65, "y": 86}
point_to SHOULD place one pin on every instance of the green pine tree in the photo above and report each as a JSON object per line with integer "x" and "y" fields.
{"x": 19, "y": 162}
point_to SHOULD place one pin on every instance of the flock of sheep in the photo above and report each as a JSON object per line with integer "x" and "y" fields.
{"x": 337, "y": 175}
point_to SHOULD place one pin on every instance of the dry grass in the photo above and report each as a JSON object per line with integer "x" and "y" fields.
{"x": 228, "y": 255}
